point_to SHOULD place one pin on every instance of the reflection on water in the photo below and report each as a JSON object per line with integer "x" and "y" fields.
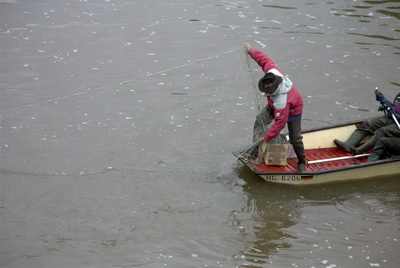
{"x": 390, "y": 13}
{"x": 265, "y": 219}
{"x": 284, "y": 218}
{"x": 279, "y": 7}
{"x": 376, "y": 36}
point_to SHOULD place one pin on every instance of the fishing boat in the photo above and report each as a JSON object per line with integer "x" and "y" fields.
{"x": 326, "y": 163}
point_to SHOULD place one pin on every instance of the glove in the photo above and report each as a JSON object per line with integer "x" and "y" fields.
{"x": 384, "y": 102}
{"x": 380, "y": 108}
{"x": 379, "y": 96}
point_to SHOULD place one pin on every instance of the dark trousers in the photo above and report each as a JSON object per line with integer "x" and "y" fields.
{"x": 384, "y": 147}
{"x": 380, "y": 127}
{"x": 296, "y": 139}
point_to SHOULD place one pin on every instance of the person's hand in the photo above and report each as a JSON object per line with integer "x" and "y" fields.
{"x": 264, "y": 138}
{"x": 379, "y": 96}
{"x": 247, "y": 47}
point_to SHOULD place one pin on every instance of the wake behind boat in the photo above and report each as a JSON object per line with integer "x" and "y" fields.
{"x": 325, "y": 162}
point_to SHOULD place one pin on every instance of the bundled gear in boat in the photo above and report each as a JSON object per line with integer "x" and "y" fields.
{"x": 383, "y": 126}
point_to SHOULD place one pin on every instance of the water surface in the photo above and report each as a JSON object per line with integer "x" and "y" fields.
{"x": 118, "y": 118}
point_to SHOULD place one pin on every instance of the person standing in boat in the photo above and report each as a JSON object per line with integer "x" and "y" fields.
{"x": 384, "y": 148}
{"x": 383, "y": 126}
{"x": 285, "y": 106}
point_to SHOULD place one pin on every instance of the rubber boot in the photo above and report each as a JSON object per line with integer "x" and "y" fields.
{"x": 365, "y": 147}
{"x": 373, "y": 157}
{"x": 354, "y": 139}
{"x": 298, "y": 148}
{"x": 301, "y": 166}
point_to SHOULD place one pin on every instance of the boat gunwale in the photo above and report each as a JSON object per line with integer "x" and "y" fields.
{"x": 355, "y": 122}
{"x": 324, "y": 171}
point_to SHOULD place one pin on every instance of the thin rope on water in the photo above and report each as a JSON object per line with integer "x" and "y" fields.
{"x": 191, "y": 62}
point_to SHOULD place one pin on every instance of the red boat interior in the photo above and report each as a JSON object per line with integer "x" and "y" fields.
{"x": 316, "y": 154}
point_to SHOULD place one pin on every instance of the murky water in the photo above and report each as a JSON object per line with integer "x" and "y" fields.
{"x": 118, "y": 118}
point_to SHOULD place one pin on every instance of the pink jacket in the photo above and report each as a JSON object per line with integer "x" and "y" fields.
{"x": 285, "y": 102}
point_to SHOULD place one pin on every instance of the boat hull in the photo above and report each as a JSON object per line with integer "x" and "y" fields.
{"x": 325, "y": 162}
{"x": 379, "y": 170}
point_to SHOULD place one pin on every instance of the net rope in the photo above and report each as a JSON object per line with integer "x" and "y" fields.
{"x": 118, "y": 84}
{"x": 255, "y": 73}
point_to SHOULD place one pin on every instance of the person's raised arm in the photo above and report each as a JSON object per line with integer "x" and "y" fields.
{"x": 262, "y": 60}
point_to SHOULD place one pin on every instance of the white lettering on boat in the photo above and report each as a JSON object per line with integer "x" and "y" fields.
{"x": 287, "y": 178}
